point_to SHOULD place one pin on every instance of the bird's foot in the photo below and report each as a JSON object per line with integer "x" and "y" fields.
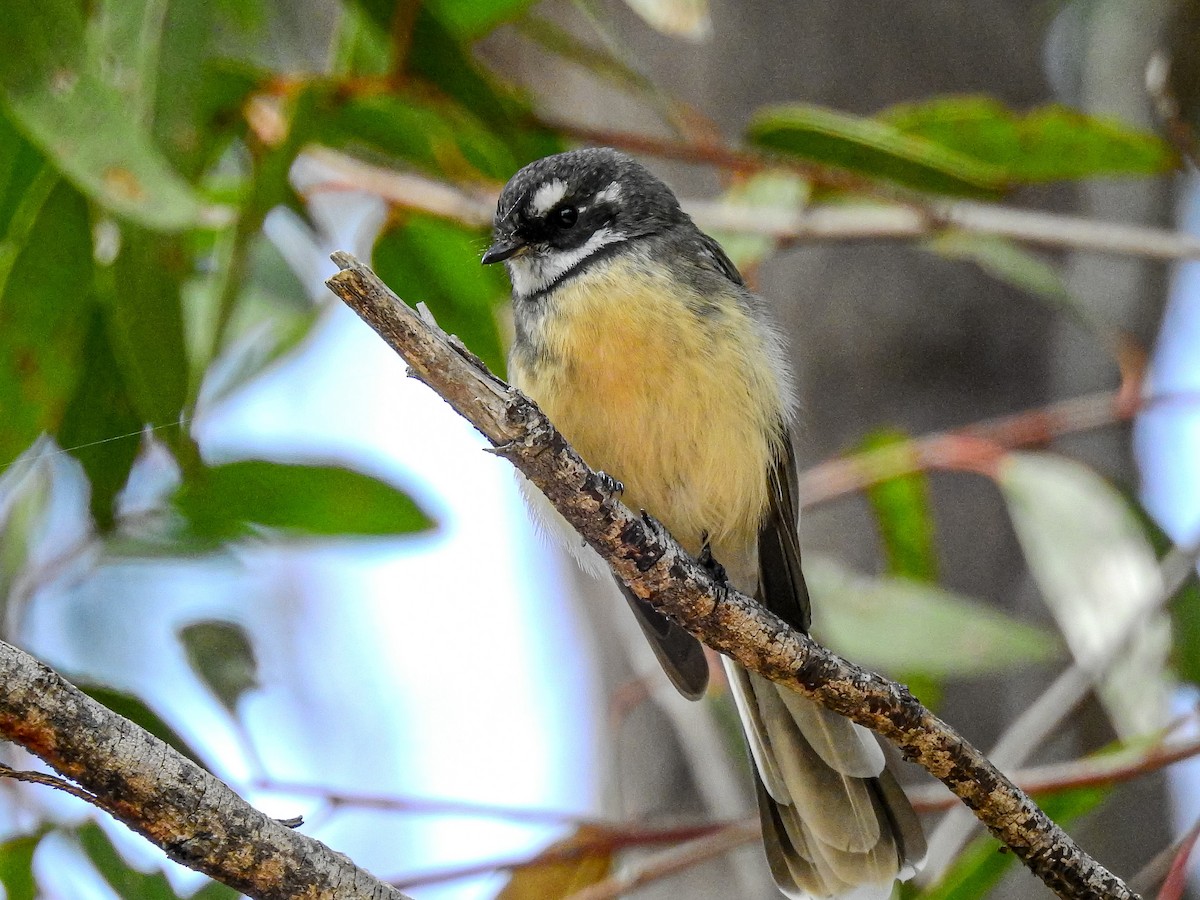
{"x": 710, "y": 564}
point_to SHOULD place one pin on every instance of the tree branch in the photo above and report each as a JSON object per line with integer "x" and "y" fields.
{"x": 904, "y": 220}
{"x": 659, "y": 571}
{"x": 167, "y": 798}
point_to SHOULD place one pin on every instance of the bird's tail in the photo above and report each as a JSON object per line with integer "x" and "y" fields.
{"x": 835, "y": 821}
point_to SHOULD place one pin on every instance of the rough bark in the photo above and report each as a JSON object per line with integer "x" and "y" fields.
{"x": 167, "y": 798}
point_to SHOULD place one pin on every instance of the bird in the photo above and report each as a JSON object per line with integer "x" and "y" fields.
{"x": 637, "y": 336}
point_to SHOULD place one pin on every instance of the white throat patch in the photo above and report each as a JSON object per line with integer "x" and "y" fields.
{"x": 532, "y": 271}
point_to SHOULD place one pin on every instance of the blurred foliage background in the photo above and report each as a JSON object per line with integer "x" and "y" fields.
{"x": 958, "y": 212}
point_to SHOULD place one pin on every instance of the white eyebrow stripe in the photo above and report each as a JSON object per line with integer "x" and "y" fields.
{"x": 547, "y": 196}
{"x": 610, "y": 194}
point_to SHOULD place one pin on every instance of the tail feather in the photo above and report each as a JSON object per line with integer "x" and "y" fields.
{"x": 837, "y": 808}
{"x": 843, "y": 745}
{"x": 835, "y": 821}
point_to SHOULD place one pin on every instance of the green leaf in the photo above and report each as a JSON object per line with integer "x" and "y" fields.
{"x": 82, "y": 123}
{"x": 190, "y": 92}
{"x": 979, "y": 868}
{"x": 220, "y": 653}
{"x": 274, "y": 316}
{"x": 873, "y": 149}
{"x": 1173, "y": 78}
{"x": 214, "y": 890}
{"x": 1050, "y": 143}
{"x": 467, "y": 19}
{"x": 1185, "y": 605}
{"x": 130, "y": 707}
{"x": 900, "y": 625}
{"x": 1096, "y": 571}
{"x": 904, "y": 515}
{"x": 1007, "y": 261}
{"x": 436, "y": 56}
{"x": 26, "y": 486}
{"x": 45, "y": 308}
{"x": 429, "y": 260}
{"x": 125, "y": 880}
{"x": 233, "y": 500}
{"x": 463, "y": 19}
{"x": 145, "y": 322}
{"x": 435, "y": 136}
{"x": 598, "y": 60}
{"x": 20, "y": 165}
{"x": 100, "y": 427}
{"x": 16, "y": 866}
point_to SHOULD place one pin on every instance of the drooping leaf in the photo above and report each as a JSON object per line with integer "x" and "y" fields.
{"x": 125, "y": 880}
{"x": 428, "y": 260}
{"x": 979, "y": 868}
{"x": 468, "y": 19}
{"x": 874, "y": 149}
{"x": 1008, "y": 262}
{"x": 192, "y": 90}
{"x": 687, "y": 19}
{"x": 100, "y": 426}
{"x": 434, "y": 136}
{"x": 557, "y": 879}
{"x": 599, "y": 61}
{"x": 464, "y": 20}
{"x": 130, "y": 707}
{"x": 16, "y": 866}
{"x": 214, "y": 890}
{"x": 20, "y": 165}
{"x": 1185, "y": 605}
{"x": 232, "y": 500}
{"x": 900, "y": 625}
{"x": 144, "y": 308}
{"x": 1050, "y": 143}
{"x": 1173, "y": 79}
{"x": 221, "y": 654}
{"x": 25, "y": 491}
{"x": 82, "y": 123}
{"x": 438, "y": 57}
{"x": 1096, "y": 570}
{"x": 904, "y": 516}
{"x": 274, "y": 315}
{"x": 45, "y": 302}
{"x": 1185, "y": 630}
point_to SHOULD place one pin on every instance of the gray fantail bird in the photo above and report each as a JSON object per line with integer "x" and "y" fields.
{"x": 637, "y": 337}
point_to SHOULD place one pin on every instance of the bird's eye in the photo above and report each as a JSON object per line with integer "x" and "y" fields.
{"x": 565, "y": 216}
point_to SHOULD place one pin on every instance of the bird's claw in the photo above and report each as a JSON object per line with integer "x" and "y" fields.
{"x": 710, "y": 564}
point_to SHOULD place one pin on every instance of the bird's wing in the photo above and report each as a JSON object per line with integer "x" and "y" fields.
{"x": 781, "y": 581}
{"x": 680, "y": 654}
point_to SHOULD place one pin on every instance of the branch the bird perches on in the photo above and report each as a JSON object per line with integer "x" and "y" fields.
{"x": 659, "y": 571}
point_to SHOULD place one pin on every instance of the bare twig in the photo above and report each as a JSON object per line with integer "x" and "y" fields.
{"x": 167, "y": 798}
{"x": 431, "y": 806}
{"x": 672, "y": 862}
{"x": 656, "y": 569}
{"x": 975, "y": 448}
{"x": 1091, "y": 772}
{"x": 59, "y": 784}
{"x": 1040, "y": 719}
{"x": 906, "y": 220}
{"x": 609, "y": 841}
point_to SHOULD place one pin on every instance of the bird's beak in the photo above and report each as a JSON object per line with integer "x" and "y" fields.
{"x": 502, "y": 249}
